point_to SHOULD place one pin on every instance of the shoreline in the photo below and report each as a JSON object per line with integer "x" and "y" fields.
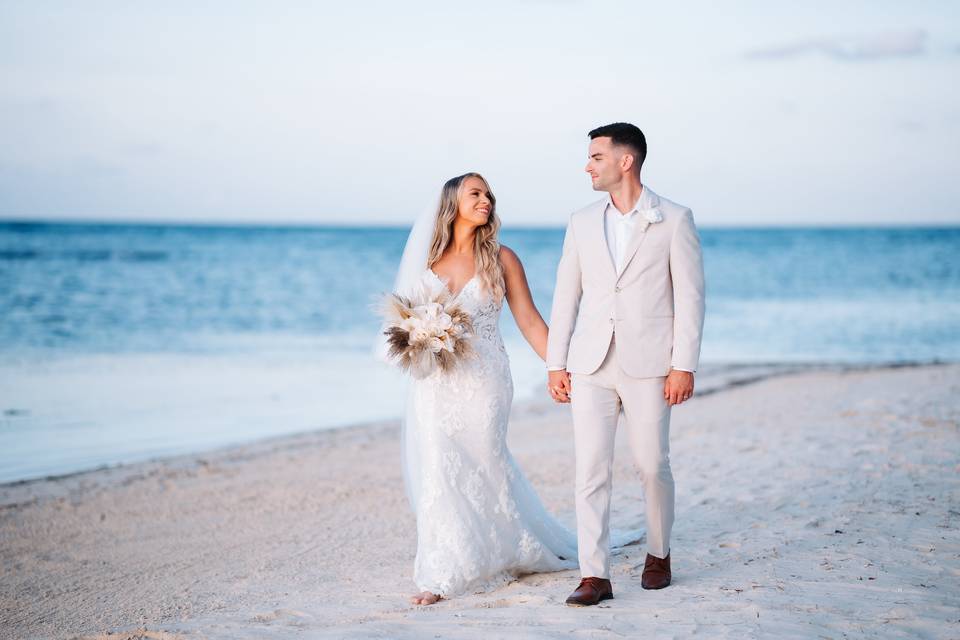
{"x": 716, "y": 378}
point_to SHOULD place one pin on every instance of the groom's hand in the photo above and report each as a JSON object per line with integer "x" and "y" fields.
{"x": 678, "y": 387}
{"x": 558, "y": 385}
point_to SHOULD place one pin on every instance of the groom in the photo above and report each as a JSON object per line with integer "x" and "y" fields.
{"x": 625, "y": 335}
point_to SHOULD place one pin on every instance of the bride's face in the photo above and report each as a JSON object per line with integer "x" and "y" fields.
{"x": 474, "y": 205}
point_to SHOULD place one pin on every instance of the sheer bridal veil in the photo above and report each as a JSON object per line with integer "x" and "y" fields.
{"x": 412, "y": 265}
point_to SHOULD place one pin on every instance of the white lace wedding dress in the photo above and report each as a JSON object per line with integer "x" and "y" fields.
{"x": 479, "y": 521}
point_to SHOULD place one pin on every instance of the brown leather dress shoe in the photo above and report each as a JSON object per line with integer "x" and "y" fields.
{"x": 590, "y": 592}
{"x": 656, "y": 572}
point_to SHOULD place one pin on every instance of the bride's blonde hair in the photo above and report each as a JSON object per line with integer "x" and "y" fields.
{"x": 486, "y": 246}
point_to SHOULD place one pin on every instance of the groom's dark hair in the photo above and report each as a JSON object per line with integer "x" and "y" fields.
{"x": 626, "y": 135}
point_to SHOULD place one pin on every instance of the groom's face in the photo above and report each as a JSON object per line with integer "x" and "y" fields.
{"x": 604, "y": 164}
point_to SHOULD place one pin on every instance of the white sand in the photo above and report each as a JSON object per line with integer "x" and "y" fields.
{"x": 812, "y": 505}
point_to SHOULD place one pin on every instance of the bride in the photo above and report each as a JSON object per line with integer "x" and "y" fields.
{"x": 480, "y": 523}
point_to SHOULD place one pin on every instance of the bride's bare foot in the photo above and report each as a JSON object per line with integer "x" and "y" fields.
{"x": 425, "y": 598}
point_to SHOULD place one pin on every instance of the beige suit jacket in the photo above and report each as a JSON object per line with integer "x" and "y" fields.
{"x": 654, "y": 303}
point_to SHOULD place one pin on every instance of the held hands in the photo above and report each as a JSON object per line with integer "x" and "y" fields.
{"x": 558, "y": 385}
{"x": 678, "y": 387}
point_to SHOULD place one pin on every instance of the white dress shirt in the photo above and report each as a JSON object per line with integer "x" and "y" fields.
{"x": 619, "y": 228}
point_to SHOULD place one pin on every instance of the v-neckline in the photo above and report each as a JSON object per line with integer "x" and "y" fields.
{"x": 453, "y": 296}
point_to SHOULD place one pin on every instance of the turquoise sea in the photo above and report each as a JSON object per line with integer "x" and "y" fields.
{"x": 839, "y": 295}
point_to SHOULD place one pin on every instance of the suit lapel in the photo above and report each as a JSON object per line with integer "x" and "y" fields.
{"x": 650, "y": 200}
{"x": 597, "y": 237}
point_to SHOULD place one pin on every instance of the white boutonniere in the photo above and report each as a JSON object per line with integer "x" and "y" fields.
{"x": 651, "y": 216}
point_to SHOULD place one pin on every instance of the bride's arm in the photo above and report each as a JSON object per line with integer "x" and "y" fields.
{"x": 529, "y": 320}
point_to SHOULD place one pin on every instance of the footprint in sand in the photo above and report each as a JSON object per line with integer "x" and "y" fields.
{"x": 495, "y": 604}
{"x": 139, "y": 634}
{"x": 288, "y": 616}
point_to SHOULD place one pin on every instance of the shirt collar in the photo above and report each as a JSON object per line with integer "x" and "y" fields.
{"x": 641, "y": 203}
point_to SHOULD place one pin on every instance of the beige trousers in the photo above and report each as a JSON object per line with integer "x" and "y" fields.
{"x": 596, "y": 403}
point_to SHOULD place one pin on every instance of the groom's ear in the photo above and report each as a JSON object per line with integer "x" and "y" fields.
{"x": 627, "y": 161}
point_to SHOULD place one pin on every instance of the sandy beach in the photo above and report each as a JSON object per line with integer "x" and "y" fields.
{"x": 812, "y": 504}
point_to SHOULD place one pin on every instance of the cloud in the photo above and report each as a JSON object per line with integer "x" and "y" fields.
{"x": 892, "y": 44}
{"x": 909, "y": 125}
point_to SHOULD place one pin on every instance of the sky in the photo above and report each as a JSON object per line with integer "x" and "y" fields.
{"x": 756, "y": 113}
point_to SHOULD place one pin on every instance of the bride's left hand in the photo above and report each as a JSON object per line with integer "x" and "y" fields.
{"x": 678, "y": 387}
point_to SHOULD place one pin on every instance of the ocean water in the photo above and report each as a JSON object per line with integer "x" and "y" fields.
{"x": 837, "y": 295}
{"x": 92, "y": 307}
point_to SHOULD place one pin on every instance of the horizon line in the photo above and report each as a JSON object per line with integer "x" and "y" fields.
{"x": 382, "y": 225}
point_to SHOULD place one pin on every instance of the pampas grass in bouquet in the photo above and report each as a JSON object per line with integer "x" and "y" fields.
{"x": 426, "y": 332}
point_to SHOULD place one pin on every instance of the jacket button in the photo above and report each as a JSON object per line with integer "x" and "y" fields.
{"x": 611, "y": 320}
{"x": 617, "y": 289}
